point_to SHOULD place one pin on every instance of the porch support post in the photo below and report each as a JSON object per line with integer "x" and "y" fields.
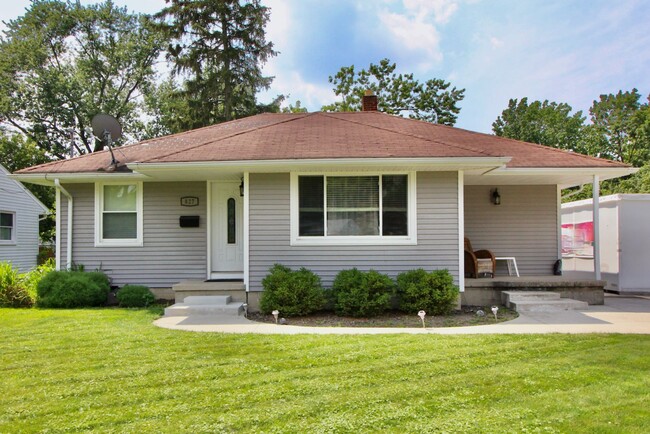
{"x": 596, "y": 222}
{"x": 57, "y": 230}
{"x": 461, "y": 230}
{"x": 246, "y": 230}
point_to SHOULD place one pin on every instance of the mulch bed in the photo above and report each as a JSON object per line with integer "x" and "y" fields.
{"x": 466, "y": 317}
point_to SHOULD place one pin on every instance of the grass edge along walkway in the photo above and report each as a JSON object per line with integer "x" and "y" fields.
{"x": 111, "y": 370}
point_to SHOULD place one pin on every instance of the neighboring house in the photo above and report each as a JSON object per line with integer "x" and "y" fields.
{"x": 327, "y": 191}
{"x": 624, "y": 222}
{"x": 19, "y": 216}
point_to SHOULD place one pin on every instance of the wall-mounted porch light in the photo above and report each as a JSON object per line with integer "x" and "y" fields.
{"x": 241, "y": 188}
{"x": 495, "y": 197}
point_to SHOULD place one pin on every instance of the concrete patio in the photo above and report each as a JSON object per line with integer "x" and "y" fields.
{"x": 619, "y": 314}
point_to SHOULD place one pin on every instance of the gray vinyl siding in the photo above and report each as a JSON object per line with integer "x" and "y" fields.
{"x": 269, "y": 241}
{"x": 14, "y": 199}
{"x": 169, "y": 254}
{"x": 524, "y": 225}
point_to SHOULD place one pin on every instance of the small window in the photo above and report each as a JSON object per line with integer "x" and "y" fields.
{"x": 7, "y": 226}
{"x": 119, "y": 214}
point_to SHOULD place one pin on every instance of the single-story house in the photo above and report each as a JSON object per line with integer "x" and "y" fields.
{"x": 624, "y": 226}
{"x": 20, "y": 211}
{"x": 327, "y": 191}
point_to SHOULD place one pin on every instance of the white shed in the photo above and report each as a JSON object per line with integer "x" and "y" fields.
{"x": 19, "y": 216}
{"x": 624, "y": 241}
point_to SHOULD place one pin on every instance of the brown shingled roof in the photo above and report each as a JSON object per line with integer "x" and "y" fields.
{"x": 325, "y": 136}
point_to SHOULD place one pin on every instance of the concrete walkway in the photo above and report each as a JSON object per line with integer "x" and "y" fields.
{"x": 620, "y": 314}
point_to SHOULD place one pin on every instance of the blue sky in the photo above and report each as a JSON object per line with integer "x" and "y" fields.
{"x": 562, "y": 50}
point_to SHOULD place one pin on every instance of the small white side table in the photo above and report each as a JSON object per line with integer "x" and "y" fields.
{"x": 511, "y": 262}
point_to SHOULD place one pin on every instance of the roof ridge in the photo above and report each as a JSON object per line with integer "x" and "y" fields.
{"x": 440, "y": 142}
{"x": 281, "y": 121}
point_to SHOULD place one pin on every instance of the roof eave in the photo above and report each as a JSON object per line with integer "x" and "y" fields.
{"x": 48, "y": 178}
{"x": 565, "y": 177}
{"x": 285, "y": 165}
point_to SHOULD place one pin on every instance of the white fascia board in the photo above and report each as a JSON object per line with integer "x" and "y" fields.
{"x": 441, "y": 163}
{"x": 603, "y": 172}
{"x": 47, "y": 179}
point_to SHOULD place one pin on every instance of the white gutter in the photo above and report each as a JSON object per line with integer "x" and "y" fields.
{"x": 59, "y": 190}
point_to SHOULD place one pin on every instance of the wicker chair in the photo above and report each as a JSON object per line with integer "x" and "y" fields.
{"x": 479, "y": 263}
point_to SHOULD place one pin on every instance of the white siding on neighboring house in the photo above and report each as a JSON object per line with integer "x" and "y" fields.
{"x": 437, "y": 233}
{"x": 524, "y": 225}
{"x": 624, "y": 240}
{"x": 15, "y": 199}
{"x": 169, "y": 253}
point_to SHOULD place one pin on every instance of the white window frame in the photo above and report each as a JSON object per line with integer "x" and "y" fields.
{"x": 13, "y": 228}
{"x": 99, "y": 221}
{"x": 353, "y": 240}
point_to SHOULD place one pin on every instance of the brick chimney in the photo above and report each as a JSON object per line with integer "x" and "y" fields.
{"x": 369, "y": 102}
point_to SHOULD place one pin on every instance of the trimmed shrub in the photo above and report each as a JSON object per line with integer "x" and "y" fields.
{"x": 32, "y": 278}
{"x": 13, "y": 290}
{"x": 361, "y": 294}
{"x": 432, "y": 292}
{"x": 293, "y": 293}
{"x": 135, "y": 296}
{"x": 66, "y": 289}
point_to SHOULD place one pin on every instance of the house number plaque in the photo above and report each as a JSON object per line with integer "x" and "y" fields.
{"x": 189, "y": 201}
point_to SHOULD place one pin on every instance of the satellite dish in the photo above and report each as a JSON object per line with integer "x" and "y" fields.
{"x": 106, "y": 128}
{"x": 103, "y": 123}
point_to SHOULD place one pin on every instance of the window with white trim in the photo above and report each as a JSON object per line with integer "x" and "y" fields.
{"x": 7, "y": 227}
{"x": 353, "y": 209}
{"x": 118, "y": 214}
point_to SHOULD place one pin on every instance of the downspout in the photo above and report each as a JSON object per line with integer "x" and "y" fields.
{"x": 596, "y": 223}
{"x": 68, "y": 255}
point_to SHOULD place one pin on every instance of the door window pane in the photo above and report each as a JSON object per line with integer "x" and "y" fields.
{"x": 231, "y": 221}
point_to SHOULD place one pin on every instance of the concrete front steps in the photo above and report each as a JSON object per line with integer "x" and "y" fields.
{"x": 540, "y": 301}
{"x": 206, "y": 305}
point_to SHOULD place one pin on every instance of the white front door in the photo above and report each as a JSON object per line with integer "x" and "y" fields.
{"x": 226, "y": 234}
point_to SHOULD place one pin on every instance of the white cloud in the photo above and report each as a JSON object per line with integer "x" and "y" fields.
{"x": 496, "y": 42}
{"x": 290, "y": 82}
{"x": 277, "y": 29}
{"x": 413, "y": 27}
{"x": 442, "y": 10}
{"x": 413, "y": 34}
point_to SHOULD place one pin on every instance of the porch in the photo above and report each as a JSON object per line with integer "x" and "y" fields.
{"x": 487, "y": 291}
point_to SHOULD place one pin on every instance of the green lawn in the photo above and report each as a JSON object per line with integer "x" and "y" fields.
{"x": 111, "y": 370}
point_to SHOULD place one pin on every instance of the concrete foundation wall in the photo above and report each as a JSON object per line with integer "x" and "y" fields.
{"x": 591, "y": 292}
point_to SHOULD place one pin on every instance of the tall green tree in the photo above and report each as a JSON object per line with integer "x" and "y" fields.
{"x": 218, "y": 48}
{"x": 621, "y": 127}
{"x": 297, "y": 108}
{"x": 546, "y": 123}
{"x": 433, "y": 100}
{"x": 61, "y": 63}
